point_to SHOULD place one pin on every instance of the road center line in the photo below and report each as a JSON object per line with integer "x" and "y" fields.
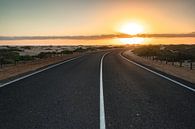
{"x": 102, "y": 111}
{"x": 39, "y": 71}
{"x": 174, "y": 81}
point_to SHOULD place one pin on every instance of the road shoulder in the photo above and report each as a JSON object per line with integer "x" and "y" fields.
{"x": 11, "y": 74}
{"x": 185, "y": 79}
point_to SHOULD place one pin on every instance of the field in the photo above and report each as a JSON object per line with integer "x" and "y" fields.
{"x": 179, "y": 55}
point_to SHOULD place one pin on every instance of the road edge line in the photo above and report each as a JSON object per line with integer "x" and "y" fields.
{"x": 156, "y": 73}
{"x": 39, "y": 71}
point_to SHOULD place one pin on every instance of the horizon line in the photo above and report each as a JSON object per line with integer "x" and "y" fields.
{"x": 97, "y": 37}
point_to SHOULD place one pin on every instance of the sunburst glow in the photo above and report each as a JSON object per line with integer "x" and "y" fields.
{"x": 131, "y": 28}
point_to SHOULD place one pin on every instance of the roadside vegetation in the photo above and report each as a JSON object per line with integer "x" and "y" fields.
{"x": 180, "y": 55}
{"x": 11, "y": 55}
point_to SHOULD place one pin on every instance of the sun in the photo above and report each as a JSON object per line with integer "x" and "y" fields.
{"x": 131, "y": 28}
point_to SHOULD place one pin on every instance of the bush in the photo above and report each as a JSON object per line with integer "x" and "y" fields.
{"x": 177, "y": 53}
{"x": 8, "y": 56}
{"x": 80, "y": 49}
{"x": 25, "y": 58}
{"x": 66, "y": 52}
{"x": 44, "y": 55}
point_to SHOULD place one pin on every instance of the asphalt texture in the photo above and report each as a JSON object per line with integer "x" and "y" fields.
{"x": 68, "y": 97}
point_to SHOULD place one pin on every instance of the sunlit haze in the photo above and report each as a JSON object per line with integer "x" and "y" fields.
{"x": 96, "y": 17}
{"x": 131, "y": 28}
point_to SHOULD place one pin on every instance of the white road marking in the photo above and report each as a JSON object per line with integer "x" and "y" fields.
{"x": 102, "y": 112}
{"x": 174, "y": 81}
{"x": 36, "y": 72}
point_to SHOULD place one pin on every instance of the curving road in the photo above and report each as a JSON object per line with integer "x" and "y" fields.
{"x": 68, "y": 96}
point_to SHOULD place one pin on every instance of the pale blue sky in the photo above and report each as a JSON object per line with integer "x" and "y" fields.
{"x": 89, "y": 17}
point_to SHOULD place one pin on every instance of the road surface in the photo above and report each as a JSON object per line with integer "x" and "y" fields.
{"x": 68, "y": 96}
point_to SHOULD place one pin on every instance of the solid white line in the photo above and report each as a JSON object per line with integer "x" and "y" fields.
{"x": 102, "y": 112}
{"x": 36, "y": 72}
{"x": 174, "y": 81}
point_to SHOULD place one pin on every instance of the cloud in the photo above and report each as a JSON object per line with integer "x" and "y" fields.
{"x": 96, "y": 37}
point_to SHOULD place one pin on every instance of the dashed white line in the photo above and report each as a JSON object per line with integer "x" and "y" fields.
{"x": 36, "y": 72}
{"x": 102, "y": 111}
{"x": 174, "y": 81}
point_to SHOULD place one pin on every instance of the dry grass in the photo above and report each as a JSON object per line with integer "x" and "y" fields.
{"x": 180, "y": 72}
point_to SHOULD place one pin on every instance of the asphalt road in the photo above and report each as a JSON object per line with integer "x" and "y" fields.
{"x": 68, "y": 97}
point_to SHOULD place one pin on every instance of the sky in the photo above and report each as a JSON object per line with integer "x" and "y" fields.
{"x": 94, "y": 17}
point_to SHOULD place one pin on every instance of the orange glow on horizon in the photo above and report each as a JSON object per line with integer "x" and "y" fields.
{"x": 135, "y": 40}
